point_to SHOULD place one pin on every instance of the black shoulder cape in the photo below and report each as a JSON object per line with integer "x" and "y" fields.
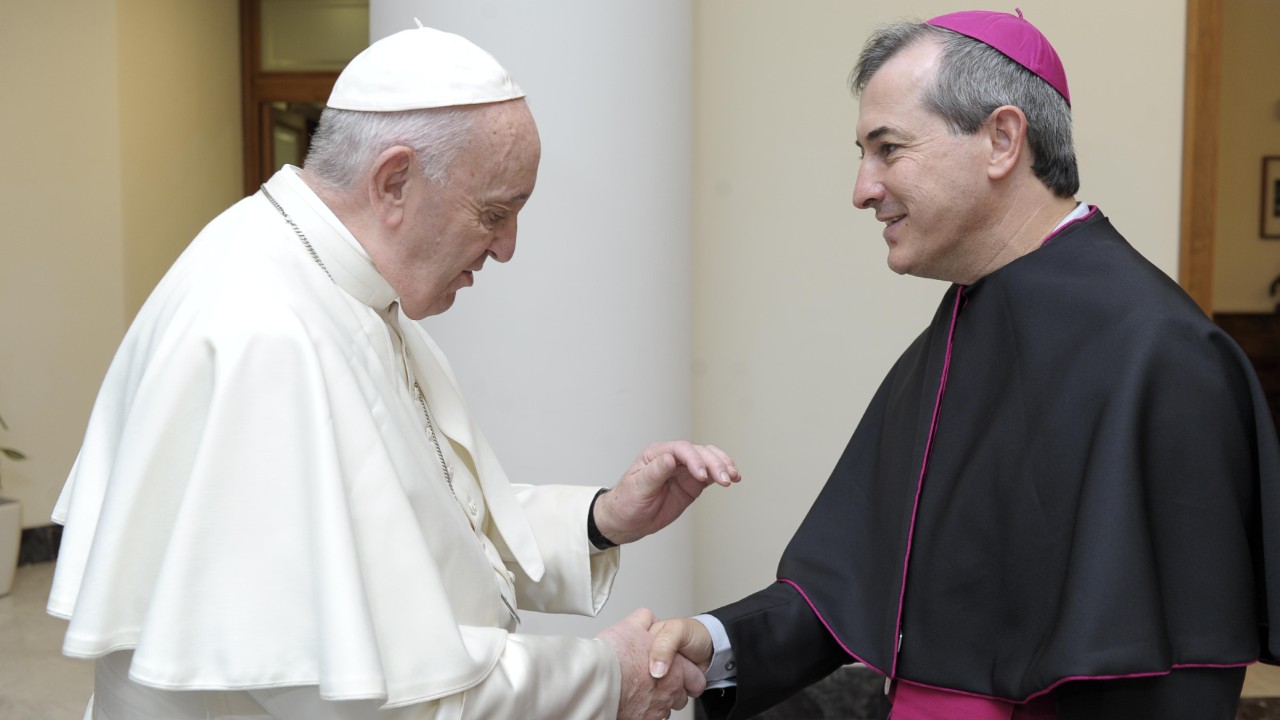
{"x": 1101, "y": 496}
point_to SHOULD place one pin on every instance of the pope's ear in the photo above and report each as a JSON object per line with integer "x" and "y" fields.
{"x": 1007, "y": 130}
{"x": 388, "y": 184}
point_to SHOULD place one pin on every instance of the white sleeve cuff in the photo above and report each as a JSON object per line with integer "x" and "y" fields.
{"x": 723, "y": 671}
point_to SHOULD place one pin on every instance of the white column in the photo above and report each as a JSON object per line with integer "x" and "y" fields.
{"x": 576, "y": 354}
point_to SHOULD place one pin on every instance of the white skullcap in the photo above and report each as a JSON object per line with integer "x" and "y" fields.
{"x": 418, "y": 69}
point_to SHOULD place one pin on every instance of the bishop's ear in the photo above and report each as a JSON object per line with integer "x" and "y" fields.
{"x": 1007, "y": 130}
{"x": 388, "y": 185}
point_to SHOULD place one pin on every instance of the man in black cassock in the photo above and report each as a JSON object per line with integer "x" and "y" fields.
{"x": 1063, "y": 500}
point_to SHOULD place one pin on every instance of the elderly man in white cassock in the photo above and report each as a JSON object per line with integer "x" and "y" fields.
{"x": 282, "y": 508}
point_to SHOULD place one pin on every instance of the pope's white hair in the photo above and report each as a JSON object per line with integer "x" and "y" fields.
{"x": 347, "y": 142}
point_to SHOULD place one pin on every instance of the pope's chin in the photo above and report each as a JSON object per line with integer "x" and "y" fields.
{"x": 445, "y": 300}
{"x": 437, "y": 306}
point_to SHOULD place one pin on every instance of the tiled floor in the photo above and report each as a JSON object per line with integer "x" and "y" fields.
{"x": 38, "y": 683}
{"x": 1262, "y": 681}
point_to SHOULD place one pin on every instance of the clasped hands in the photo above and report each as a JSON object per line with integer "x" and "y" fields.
{"x": 662, "y": 661}
{"x": 646, "y": 694}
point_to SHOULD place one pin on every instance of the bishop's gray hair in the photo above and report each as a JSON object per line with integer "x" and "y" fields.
{"x": 348, "y": 141}
{"x": 973, "y": 79}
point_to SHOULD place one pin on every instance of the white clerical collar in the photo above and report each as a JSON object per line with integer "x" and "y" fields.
{"x": 1080, "y": 210}
{"x": 343, "y": 256}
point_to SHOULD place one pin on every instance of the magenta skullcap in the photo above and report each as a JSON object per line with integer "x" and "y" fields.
{"x": 1012, "y": 35}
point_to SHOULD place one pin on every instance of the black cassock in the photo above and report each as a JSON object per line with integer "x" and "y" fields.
{"x": 1072, "y": 473}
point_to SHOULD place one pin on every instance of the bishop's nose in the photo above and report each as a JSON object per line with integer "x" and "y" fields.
{"x": 868, "y": 191}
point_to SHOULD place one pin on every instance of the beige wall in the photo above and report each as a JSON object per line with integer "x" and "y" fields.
{"x": 61, "y": 287}
{"x": 179, "y": 129}
{"x": 126, "y": 142}
{"x": 796, "y": 317}
{"x": 1245, "y": 264}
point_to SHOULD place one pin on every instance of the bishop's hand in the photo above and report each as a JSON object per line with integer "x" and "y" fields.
{"x": 679, "y": 639}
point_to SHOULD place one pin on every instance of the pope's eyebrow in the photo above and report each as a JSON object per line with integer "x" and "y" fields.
{"x": 505, "y": 202}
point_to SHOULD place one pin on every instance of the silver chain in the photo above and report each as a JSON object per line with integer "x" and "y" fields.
{"x": 422, "y": 399}
{"x": 303, "y": 238}
{"x": 431, "y": 430}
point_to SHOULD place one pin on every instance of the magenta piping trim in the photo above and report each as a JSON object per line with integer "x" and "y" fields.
{"x": 1051, "y": 688}
{"x": 1075, "y": 678}
{"x": 827, "y": 625}
{"x": 924, "y": 466}
{"x": 1093, "y": 210}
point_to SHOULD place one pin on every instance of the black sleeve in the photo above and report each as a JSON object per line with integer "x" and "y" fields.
{"x": 780, "y": 647}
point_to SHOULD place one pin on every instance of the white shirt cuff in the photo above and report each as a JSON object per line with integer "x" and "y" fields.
{"x": 723, "y": 671}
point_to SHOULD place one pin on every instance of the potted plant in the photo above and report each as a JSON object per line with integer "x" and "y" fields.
{"x": 10, "y": 527}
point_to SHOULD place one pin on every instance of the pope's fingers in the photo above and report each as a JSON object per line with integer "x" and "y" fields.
{"x": 734, "y": 475}
{"x": 719, "y": 465}
{"x": 643, "y": 617}
{"x": 655, "y": 474}
{"x": 682, "y": 452}
{"x": 703, "y": 462}
{"x": 687, "y": 455}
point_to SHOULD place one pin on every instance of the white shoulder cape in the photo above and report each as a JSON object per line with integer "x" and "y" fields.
{"x": 255, "y": 505}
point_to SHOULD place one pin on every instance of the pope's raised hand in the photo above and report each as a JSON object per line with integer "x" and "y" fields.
{"x": 661, "y": 483}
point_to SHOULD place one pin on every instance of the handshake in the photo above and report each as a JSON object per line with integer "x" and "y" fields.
{"x": 663, "y": 663}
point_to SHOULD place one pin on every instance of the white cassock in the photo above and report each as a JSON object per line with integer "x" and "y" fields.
{"x": 259, "y": 518}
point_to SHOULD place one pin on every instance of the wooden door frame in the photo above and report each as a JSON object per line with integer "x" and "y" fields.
{"x": 258, "y": 87}
{"x": 1200, "y": 150}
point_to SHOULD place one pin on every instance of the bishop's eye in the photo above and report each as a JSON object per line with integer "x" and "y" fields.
{"x": 492, "y": 218}
{"x": 888, "y": 149}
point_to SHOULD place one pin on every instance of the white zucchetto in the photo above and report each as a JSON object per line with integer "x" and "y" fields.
{"x": 419, "y": 69}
